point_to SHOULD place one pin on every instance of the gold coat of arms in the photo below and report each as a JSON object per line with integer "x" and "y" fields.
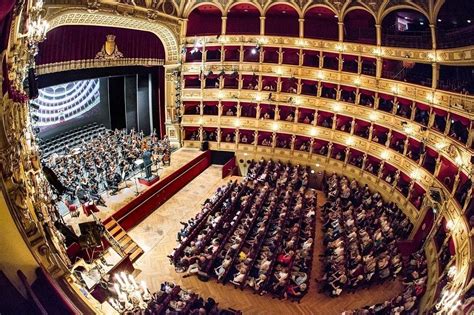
{"x": 109, "y": 49}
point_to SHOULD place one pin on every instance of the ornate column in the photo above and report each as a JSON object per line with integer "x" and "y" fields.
{"x": 433, "y": 35}
{"x": 173, "y": 105}
{"x": 340, "y": 27}
{"x": 435, "y": 75}
{"x": 378, "y": 33}
{"x": 301, "y": 23}
{"x": 262, "y": 25}
{"x": 223, "y": 25}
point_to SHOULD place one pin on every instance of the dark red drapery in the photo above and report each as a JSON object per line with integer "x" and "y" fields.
{"x": 78, "y": 42}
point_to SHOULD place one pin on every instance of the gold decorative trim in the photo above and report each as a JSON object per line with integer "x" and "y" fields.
{"x": 96, "y": 63}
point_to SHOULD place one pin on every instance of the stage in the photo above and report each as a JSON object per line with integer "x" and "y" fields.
{"x": 130, "y": 188}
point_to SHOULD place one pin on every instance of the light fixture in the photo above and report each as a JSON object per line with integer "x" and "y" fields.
{"x": 459, "y": 162}
{"x": 350, "y": 141}
{"x": 373, "y": 116}
{"x": 469, "y": 21}
{"x": 258, "y": 98}
{"x": 430, "y": 97}
{"x": 395, "y": 90}
{"x": 415, "y": 174}
{"x": 200, "y": 121}
{"x": 129, "y": 293}
{"x": 312, "y": 171}
{"x": 449, "y": 225}
{"x": 317, "y": 164}
{"x": 440, "y": 145}
{"x": 298, "y": 101}
{"x": 336, "y": 16}
{"x": 385, "y": 155}
{"x": 452, "y": 270}
{"x": 439, "y": 20}
{"x": 336, "y": 107}
{"x": 422, "y": 23}
{"x": 220, "y": 94}
{"x": 357, "y": 81}
{"x": 378, "y": 51}
{"x": 279, "y": 71}
{"x": 313, "y": 132}
{"x": 275, "y": 126}
{"x": 339, "y": 47}
{"x": 448, "y": 302}
{"x": 237, "y": 122}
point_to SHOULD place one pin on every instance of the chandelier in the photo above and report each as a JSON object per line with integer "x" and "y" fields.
{"x": 37, "y": 27}
{"x": 130, "y": 294}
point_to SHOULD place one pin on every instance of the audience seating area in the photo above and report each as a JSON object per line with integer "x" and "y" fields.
{"x": 414, "y": 282}
{"x": 361, "y": 234}
{"x": 172, "y": 299}
{"x": 256, "y": 234}
{"x": 70, "y": 139}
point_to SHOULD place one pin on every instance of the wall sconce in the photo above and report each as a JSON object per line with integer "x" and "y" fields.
{"x": 237, "y": 122}
{"x": 357, "y": 81}
{"x": 258, "y": 98}
{"x": 317, "y": 164}
{"x": 339, "y": 47}
{"x": 432, "y": 56}
{"x": 450, "y": 226}
{"x": 459, "y": 161}
{"x": 313, "y": 132}
{"x": 395, "y": 90}
{"x": 200, "y": 121}
{"x": 275, "y": 126}
{"x": 385, "y": 155}
{"x": 373, "y": 116}
{"x": 220, "y": 95}
{"x": 430, "y": 97}
{"x": 415, "y": 174}
{"x": 440, "y": 145}
{"x": 320, "y": 75}
{"x": 279, "y": 71}
{"x": 336, "y": 107}
{"x": 298, "y": 101}
{"x": 350, "y": 141}
{"x": 378, "y": 51}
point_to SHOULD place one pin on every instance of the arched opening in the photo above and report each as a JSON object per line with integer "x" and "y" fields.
{"x": 243, "y": 18}
{"x": 455, "y": 24}
{"x": 320, "y": 23}
{"x": 282, "y": 20}
{"x": 359, "y": 27}
{"x": 204, "y": 20}
{"x": 406, "y": 28}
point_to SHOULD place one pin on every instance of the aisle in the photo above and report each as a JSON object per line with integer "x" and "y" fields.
{"x": 157, "y": 235}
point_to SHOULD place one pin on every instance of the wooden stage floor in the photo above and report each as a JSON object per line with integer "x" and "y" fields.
{"x": 157, "y": 236}
{"x": 125, "y": 195}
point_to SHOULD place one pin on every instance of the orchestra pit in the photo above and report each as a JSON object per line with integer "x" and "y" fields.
{"x": 237, "y": 157}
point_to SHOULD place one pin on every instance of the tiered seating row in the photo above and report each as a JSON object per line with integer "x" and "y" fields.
{"x": 172, "y": 299}
{"x": 261, "y": 238}
{"x": 361, "y": 234}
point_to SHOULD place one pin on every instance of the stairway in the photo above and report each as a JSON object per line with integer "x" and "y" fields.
{"x": 121, "y": 241}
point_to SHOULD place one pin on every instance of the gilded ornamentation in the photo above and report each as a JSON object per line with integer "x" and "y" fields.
{"x": 109, "y": 49}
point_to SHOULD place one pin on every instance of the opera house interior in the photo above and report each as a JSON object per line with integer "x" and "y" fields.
{"x": 237, "y": 157}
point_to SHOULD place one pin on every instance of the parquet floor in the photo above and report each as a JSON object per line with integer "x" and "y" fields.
{"x": 157, "y": 236}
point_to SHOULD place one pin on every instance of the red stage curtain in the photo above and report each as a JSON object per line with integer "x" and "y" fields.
{"x": 78, "y": 42}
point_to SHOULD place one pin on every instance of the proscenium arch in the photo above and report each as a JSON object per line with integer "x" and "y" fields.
{"x": 163, "y": 32}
